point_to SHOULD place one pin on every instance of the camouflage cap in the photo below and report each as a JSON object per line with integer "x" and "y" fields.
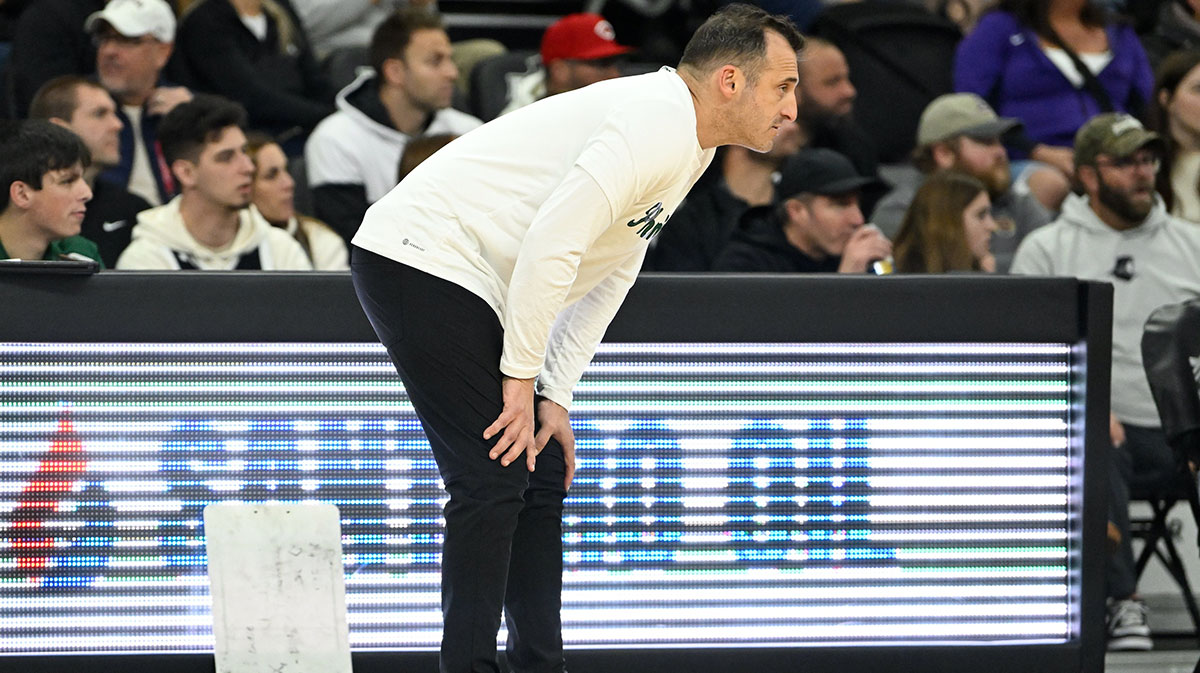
{"x": 1116, "y": 134}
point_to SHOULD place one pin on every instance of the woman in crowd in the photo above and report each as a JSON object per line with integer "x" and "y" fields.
{"x": 274, "y": 192}
{"x": 948, "y": 227}
{"x": 1053, "y": 64}
{"x": 1175, "y": 114}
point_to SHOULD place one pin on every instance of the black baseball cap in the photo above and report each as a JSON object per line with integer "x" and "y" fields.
{"x": 819, "y": 171}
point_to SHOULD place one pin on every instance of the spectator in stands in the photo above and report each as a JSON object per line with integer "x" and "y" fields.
{"x": 134, "y": 40}
{"x": 948, "y": 227}
{"x": 256, "y": 52}
{"x": 418, "y": 150}
{"x": 86, "y": 109}
{"x": 737, "y": 180}
{"x": 1175, "y": 114}
{"x": 274, "y": 197}
{"x": 44, "y": 195}
{"x": 352, "y": 155}
{"x": 577, "y": 50}
{"x": 1178, "y": 28}
{"x": 1120, "y": 233}
{"x": 815, "y": 224}
{"x": 960, "y": 131}
{"x": 825, "y": 103}
{"x": 211, "y": 225}
{"x": 47, "y": 43}
{"x": 1052, "y": 64}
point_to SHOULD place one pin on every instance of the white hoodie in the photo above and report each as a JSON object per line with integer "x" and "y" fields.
{"x": 1161, "y": 259}
{"x": 350, "y": 148}
{"x": 160, "y": 234}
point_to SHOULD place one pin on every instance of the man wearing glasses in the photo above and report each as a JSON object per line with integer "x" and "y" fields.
{"x": 134, "y": 39}
{"x": 1119, "y": 232}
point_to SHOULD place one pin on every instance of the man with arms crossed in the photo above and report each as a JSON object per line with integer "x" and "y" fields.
{"x": 493, "y": 270}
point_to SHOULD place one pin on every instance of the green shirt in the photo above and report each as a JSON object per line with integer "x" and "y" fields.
{"x": 71, "y": 244}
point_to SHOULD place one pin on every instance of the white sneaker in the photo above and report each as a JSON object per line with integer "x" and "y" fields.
{"x": 1127, "y": 628}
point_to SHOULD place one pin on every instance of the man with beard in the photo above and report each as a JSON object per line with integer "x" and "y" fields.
{"x": 738, "y": 179}
{"x": 960, "y": 131}
{"x": 211, "y": 224}
{"x": 825, "y": 108}
{"x": 352, "y": 155}
{"x": 1119, "y": 232}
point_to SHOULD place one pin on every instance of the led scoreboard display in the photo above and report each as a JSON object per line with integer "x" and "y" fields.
{"x": 790, "y": 498}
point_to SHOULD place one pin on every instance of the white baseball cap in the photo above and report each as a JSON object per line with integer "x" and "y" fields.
{"x": 134, "y": 18}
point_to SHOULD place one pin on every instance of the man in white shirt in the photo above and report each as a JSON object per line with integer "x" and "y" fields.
{"x": 134, "y": 40}
{"x": 211, "y": 225}
{"x": 491, "y": 273}
{"x": 352, "y": 155}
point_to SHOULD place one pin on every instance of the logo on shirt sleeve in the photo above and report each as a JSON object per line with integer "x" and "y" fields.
{"x": 649, "y": 223}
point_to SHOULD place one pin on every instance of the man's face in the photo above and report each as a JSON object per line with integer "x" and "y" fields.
{"x": 429, "y": 72}
{"x": 986, "y": 159}
{"x": 831, "y": 222}
{"x": 768, "y": 103}
{"x": 568, "y": 75}
{"x": 224, "y": 173}
{"x": 1126, "y": 185}
{"x": 274, "y": 188}
{"x": 95, "y": 121}
{"x": 57, "y": 209}
{"x": 825, "y": 93}
{"x": 129, "y": 66}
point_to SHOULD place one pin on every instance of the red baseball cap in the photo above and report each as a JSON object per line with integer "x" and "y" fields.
{"x": 581, "y": 37}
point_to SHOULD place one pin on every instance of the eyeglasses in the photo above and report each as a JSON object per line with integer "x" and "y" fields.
{"x": 100, "y": 39}
{"x": 1150, "y": 161}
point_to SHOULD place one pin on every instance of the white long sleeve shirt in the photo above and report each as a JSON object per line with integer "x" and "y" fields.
{"x": 549, "y": 208}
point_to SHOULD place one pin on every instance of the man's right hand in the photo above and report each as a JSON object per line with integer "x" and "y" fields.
{"x": 516, "y": 420}
{"x": 866, "y": 245}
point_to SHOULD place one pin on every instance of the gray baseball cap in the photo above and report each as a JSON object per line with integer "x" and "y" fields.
{"x": 961, "y": 114}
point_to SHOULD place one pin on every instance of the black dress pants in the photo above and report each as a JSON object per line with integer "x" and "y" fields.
{"x": 503, "y": 542}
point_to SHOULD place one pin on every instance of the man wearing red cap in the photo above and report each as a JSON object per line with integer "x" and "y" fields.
{"x": 577, "y": 50}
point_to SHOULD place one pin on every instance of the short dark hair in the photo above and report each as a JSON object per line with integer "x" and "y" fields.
{"x": 392, "y": 36}
{"x": 32, "y": 148}
{"x": 187, "y": 128}
{"x": 58, "y": 98}
{"x": 736, "y": 34}
{"x": 418, "y": 150}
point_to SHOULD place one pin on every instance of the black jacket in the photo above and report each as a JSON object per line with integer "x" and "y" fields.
{"x": 760, "y": 245}
{"x": 50, "y": 41}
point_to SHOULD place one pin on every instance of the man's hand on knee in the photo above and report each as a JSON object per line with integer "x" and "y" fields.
{"x": 516, "y": 420}
{"x": 556, "y": 423}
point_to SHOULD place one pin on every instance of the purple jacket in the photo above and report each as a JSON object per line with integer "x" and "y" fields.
{"x": 1002, "y": 61}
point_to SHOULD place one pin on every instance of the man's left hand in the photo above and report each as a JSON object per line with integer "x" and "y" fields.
{"x": 556, "y": 423}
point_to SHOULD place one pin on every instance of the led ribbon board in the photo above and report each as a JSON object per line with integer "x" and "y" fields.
{"x": 728, "y": 494}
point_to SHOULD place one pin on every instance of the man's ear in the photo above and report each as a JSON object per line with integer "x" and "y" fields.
{"x": 393, "y": 71}
{"x": 20, "y": 194}
{"x": 1088, "y": 176}
{"x": 61, "y": 122}
{"x": 730, "y": 81}
{"x": 184, "y": 171}
{"x": 943, "y": 156}
{"x": 796, "y": 211}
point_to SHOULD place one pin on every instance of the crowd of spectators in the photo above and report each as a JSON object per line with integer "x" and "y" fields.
{"x": 191, "y": 136}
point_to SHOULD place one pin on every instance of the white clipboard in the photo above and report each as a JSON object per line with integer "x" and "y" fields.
{"x": 278, "y": 591}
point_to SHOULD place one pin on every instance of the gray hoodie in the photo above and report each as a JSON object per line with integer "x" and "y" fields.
{"x": 1150, "y": 265}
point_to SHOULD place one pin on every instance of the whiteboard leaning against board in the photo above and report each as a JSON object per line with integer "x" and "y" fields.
{"x": 278, "y": 593}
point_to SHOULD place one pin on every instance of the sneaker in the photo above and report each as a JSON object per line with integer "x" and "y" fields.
{"x": 1127, "y": 629}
